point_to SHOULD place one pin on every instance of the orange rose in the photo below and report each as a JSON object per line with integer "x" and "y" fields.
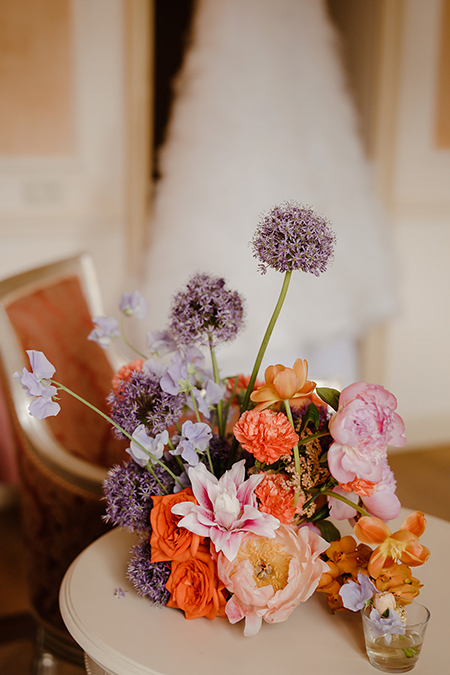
{"x": 195, "y": 588}
{"x": 168, "y": 541}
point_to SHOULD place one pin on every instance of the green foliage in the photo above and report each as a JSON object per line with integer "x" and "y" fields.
{"x": 329, "y": 396}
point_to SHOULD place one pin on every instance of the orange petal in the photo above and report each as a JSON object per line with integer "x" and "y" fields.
{"x": 371, "y": 530}
{"x": 286, "y": 384}
{"x": 271, "y": 372}
{"x": 415, "y": 523}
{"x": 301, "y": 369}
{"x": 415, "y": 554}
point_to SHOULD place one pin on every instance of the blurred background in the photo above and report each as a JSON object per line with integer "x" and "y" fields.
{"x": 85, "y": 99}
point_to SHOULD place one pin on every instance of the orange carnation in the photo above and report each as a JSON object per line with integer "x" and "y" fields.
{"x": 168, "y": 541}
{"x": 195, "y": 588}
{"x": 277, "y": 497}
{"x": 268, "y": 436}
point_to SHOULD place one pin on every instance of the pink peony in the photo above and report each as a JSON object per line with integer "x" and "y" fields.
{"x": 364, "y": 425}
{"x": 268, "y": 436}
{"x": 270, "y": 577}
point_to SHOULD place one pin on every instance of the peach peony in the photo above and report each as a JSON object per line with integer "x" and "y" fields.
{"x": 270, "y": 577}
{"x": 195, "y": 588}
{"x": 276, "y": 495}
{"x": 268, "y": 436}
{"x": 168, "y": 541}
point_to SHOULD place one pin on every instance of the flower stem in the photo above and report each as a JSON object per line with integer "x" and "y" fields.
{"x": 220, "y": 417}
{"x": 266, "y": 338}
{"x": 295, "y": 450}
{"x": 119, "y": 428}
{"x": 124, "y": 338}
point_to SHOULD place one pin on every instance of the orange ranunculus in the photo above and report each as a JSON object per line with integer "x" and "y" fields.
{"x": 268, "y": 436}
{"x": 398, "y": 579}
{"x": 403, "y": 545}
{"x": 168, "y": 541}
{"x": 283, "y": 384}
{"x": 276, "y": 495}
{"x": 195, "y": 587}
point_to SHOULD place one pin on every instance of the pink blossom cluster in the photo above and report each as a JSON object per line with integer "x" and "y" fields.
{"x": 362, "y": 429}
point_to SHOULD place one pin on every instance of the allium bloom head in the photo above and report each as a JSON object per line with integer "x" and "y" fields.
{"x": 268, "y": 436}
{"x": 124, "y": 373}
{"x": 129, "y": 489}
{"x": 270, "y": 577}
{"x": 149, "y": 579}
{"x": 206, "y": 312}
{"x": 141, "y": 400}
{"x": 292, "y": 237}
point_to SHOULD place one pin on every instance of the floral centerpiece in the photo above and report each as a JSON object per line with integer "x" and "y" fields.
{"x": 232, "y": 481}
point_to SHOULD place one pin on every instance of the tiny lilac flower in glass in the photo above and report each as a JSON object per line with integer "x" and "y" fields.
{"x": 292, "y": 236}
{"x": 107, "y": 330}
{"x": 133, "y": 305}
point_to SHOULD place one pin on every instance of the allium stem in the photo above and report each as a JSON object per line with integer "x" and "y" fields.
{"x": 220, "y": 417}
{"x": 266, "y": 338}
{"x": 119, "y": 428}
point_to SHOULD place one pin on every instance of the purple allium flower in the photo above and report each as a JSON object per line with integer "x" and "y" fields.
{"x": 149, "y": 579}
{"x": 128, "y": 491}
{"x": 141, "y": 400}
{"x": 206, "y": 312}
{"x": 292, "y": 236}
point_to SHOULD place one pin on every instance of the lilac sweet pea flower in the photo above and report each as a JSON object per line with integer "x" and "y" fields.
{"x": 107, "y": 330}
{"x": 37, "y": 383}
{"x": 133, "y": 304}
{"x": 160, "y": 342}
{"x": 226, "y": 508}
{"x": 355, "y": 595}
{"x": 207, "y": 397}
{"x": 195, "y": 437}
{"x": 154, "y": 447}
{"x": 387, "y": 626}
{"x": 182, "y": 371}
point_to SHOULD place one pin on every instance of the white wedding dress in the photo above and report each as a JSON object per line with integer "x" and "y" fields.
{"x": 261, "y": 116}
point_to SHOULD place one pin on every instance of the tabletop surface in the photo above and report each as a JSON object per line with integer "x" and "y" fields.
{"x": 127, "y": 635}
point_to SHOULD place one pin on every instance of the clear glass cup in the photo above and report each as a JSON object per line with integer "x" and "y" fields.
{"x": 396, "y": 653}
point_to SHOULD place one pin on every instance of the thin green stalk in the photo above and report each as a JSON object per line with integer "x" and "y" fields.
{"x": 220, "y": 418}
{"x": 124, "y": 338}
{"x": 117, "y": 426}
{"x": 296, "y": 452}
{"x": 266, "y": 338}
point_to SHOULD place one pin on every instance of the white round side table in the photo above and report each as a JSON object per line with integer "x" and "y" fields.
{"x": 123, "y": 634}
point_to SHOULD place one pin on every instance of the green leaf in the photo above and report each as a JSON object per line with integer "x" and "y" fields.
{"x": 328, "y": 531}
{"x": 329, "y": 396}
{"x": 311, "y": 415}
{"x": 321, "y": 513}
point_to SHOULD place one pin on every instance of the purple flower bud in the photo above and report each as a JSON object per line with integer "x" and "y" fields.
{"x": 133, "y": 304}
{"x": 107, "y": 330}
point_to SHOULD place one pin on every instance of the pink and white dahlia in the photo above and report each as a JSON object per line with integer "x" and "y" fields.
{"x": 226, "y": 509}
{"x": 270, "y": 577}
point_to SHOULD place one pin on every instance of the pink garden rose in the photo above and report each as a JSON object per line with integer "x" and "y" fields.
{"x": 270, "y": 577}
{"x": 363, "y": 427}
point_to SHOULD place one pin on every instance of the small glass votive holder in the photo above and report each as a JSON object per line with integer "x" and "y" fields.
{"x": 394, "y": 653}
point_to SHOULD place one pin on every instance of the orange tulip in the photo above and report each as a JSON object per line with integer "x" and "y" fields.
{"x": 283, "y": 384}
{"x": 403, "y": 545}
